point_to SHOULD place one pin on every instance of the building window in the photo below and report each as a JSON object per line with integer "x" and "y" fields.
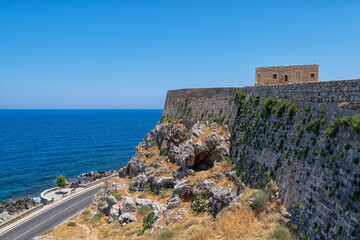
{"x": 313, "y": 75}
{"x": 274, "y": 76}
{"x": 286, "y": 78}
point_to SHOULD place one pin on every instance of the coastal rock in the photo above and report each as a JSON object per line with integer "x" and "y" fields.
{"x": 125, "y": 218}
{"x": 135, "y": 166}
{"x": 127, "y": 205}
{"x": 4, "y": 216}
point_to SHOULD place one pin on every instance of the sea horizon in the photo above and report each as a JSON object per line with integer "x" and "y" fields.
{"x": 39, "y": 144}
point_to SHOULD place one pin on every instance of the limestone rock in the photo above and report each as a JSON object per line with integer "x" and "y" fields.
{"x": 139, "y": 183}
{"x": 183, "y": 190}
{"x": 114, "y": 213}
{"x": 173, "y": 203}
{"x": 127, "y": 205}
{"x": 4, "y": 216}
{"x": 163, "y": 183}
{"x": 220, "y": 198}
{"x": 125, "y": 218}
{"x": 143, "y": 202}
{"x": 182, "y": 173}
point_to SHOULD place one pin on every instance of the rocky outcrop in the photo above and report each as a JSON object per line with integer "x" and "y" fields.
{"x": 220, "y": 198}
{"x": 127, "y": 205}
{"x": 125, "y": 218}
{"x": 17, "y": 205}
{"x": 183, "y": 190}
{"x": 139, "y": 183}
{"x": 163, "y": 183}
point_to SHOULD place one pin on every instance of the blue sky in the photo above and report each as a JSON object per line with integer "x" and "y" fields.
{"x": 127, "y": 54}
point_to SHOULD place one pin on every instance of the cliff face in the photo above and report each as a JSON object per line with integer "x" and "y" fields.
{"x": 305, "y": 137}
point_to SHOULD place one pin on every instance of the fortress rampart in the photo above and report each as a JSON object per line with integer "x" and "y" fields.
{"x": 309, "y": 147}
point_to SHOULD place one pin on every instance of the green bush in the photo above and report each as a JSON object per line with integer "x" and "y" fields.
{"x": 71, "y": 224}
{"x": 313, "y": 126}
{"x": 142, "y": 195}
{"x": 98, "y": 216}
{"x": 116, "y": 195}
{"x": 86, "y": 212}
{"x": 281, "y": 233}
{"x": 292, "y": 110}
{"x": 268, "y": 104}
{"x": 282, "y": 105}
{"x": 61, "y": 181}
{"x": 295, "y": 227}
{"x": 356, "y": 123}
{"x": 241, "y": 97}
{"x": 331, "y": 131}
{"x": 199, "y": 204}
{"x": 143, "y": 210}
{"x": 166, "y": 234}
{"x": 260, "y": 200}
{"x": 346, "y": 120}
{"x": 148, "y": 222}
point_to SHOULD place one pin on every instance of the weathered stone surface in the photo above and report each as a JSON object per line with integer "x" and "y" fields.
{"x": 182, "y": 173}
{"x": 183, "y": 190}
{"x": 4, "y": 216}
{"x": 163, "y": 183}
{"x": 220, "y": 198}
{"x": 126, "y": 218}
{"x": 139, "y": 183}
{"x": 143, "y": 202}
{"x": 114, "y": 213}
{"x": 127, "y": 205}
{"x": 173, "y": 203}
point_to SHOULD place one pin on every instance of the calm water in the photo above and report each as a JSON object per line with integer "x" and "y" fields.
{"x": 38, "y": 145}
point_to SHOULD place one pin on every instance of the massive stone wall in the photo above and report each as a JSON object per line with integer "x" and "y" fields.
{"x": 301, "y": 138}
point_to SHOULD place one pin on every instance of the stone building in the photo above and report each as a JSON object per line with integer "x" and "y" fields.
{"x": 286, "y": 74}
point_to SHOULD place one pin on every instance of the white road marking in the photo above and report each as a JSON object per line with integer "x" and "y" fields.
{"x": 52, "y": 217}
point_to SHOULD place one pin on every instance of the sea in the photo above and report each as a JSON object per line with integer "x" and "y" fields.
{"x": 38, "y": 145}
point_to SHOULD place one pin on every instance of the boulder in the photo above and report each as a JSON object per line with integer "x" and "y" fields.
{"x": 114, "y": 213}
{"x": 220, "y": 198}
{"x": 173, "y": 203}
{"x": 163, "y": 183}
{"x": 139, "y": 183}
{"x": 127, "y": 205}
{"x": 143, "y": 202}
{"x": 183, "y": 191}
{"x": 4, "y": 216}
{"x": 125, "y": 218}
{"x": 182, "y": 173}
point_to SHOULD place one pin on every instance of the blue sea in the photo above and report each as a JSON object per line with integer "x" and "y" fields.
{"x": 38, "y": 145}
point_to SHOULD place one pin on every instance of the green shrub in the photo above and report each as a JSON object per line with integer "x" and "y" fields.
{"x": 143, "y": 210}
{"x": 331, "y": 131}
{"x": 86, "y": 212}
{"x": 356, "y": 123}
{"x": 307, "y": 108}
{"x": 228, "y": 160}
{"x": 315, "y": 152}
{"x": 241, "y": 97}
{"x": 282, "y": 105}
{"x": 313, "y": 126}
{"x": 98, "y": 216}
{"x": 116, "y": 195}
{"x": 346, "y": 120}
{"x": 166, "y": 193}
{"x": 292, "y": 110}
{"x": 347, "y": 146}
{"x": 260, "y": 200}
{"x": 166, "y": 234}
{"x": 295, "y": 227}
{"x": 148, "y": 222}
{"x": 199, "y": 204}
{"x": 71, "y": 224}
{"x": 268, "y": 104}
{"x": 142, "y": 195}
{"x": 281, "y": 233}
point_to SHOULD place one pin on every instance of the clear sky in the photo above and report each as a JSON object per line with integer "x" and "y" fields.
{"x": 127, "y": 54}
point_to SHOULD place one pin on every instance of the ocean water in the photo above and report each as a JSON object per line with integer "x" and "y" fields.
{"x": 38, "y": 145}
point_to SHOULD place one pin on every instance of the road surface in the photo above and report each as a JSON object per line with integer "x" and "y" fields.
{"x": 50, "y": 218}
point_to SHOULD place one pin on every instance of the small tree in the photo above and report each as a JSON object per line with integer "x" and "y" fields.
{"x": 61, "y": 181}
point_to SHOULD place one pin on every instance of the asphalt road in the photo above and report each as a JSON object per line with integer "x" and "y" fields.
{"x": 50, "y": 218}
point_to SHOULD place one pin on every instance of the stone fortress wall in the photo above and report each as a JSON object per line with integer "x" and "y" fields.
{"x": 318, "y": 175}
{"x": 286, "y": 74}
